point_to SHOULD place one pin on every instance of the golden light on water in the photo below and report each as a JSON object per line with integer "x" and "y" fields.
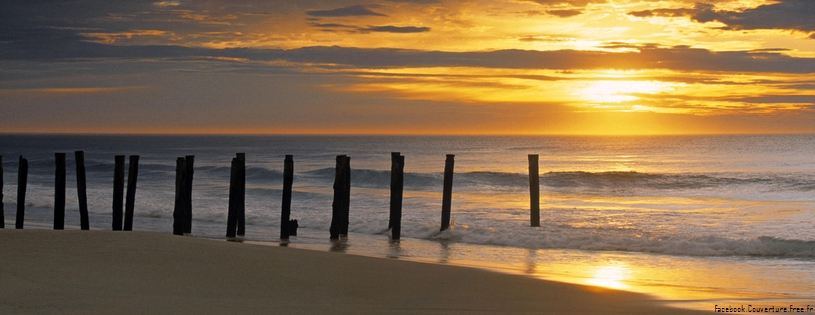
{"x": 612, "y": 277}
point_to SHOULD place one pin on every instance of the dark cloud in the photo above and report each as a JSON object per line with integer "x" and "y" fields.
{"x": 396, "y": 29}
{"x": 786, "y": 14}
{"x": 354, "y": 10}
{"x": 649, "y": 57}
{"x": 564, "y": 13}
{"x": 38, "y": 31}
{"x": 679, "y": 58}
{"x": 580, "y": 3}
{"x": 624, "y": 45}
{"x": 27, "y": 25}
{"x": 777, "y": 99}
{"x": 417, "y": 1}
{"x": 344, "y": 28}
{"x": 544, "y": 38}
{"x": 333, "y": 26}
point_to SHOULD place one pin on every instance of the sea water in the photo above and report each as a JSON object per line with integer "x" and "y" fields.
{"x": 706, "y": 219}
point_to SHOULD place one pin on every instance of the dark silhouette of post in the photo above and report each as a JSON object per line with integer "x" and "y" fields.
{"x": 232, "y": 214}
{"x": 189, "y": 160}
{"x": 534, "y": 191}
{"x": 236, "y": 218}
{"x": 118, "y": 192}
{"x": 447, "y": 195}
{"x": 22, "y": 182}
{"x": 241, "y": 194}
{"x": 393, "y": 176}
{"x": 2, "y": 208}
{"x": 397, "y": 185}
{"x": 59, "y": 192}
{"x": 288, "y": 178}
{"x": 81, "y": 190}
{"x": 178, "y": 210}
{"x": 339, "y": 193}
{"x": 130, "y": 198}
{"x": 346, "y": 199}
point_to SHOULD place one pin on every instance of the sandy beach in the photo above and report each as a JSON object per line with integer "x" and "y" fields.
{"x": 101, "y": 272}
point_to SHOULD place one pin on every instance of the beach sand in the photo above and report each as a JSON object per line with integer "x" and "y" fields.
{"x": 104, "y": 272}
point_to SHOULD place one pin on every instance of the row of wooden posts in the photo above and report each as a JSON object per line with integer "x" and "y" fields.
{"x": 236, "y": 218}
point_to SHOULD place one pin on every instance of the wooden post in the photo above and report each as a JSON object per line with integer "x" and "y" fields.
{"x": 118, "y": 192}
{"x": 397, "y": 184}
{"x": 288, "y": 178}
{"x": 394, "y": 155}
{"x": 130, "y": 198}
{"x": 22, "y": 182}
{"x": 2, "y": 208}
{"x": 241, "y": 194}
{"x": 59, "y": 192}
{"x": 447, "y": 195}
{"x": 346, "y": 198}
{"x": 534, "y": 191}
{"x": 188, "y": 172}
{"x": 81, "y": 190}
{"x": 339, "y": 192}
{"x": 178, "y": 210}
{"x": 232, "y": 214}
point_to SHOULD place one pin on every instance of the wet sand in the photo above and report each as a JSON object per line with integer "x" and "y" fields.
{"x": 103, "y": 272}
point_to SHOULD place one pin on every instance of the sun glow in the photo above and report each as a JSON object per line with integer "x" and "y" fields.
{"x": 612, "y": 277}
{"x": 618, "y": 91}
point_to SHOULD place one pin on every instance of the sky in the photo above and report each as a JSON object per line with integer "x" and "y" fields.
{"x": 561, "y": 67}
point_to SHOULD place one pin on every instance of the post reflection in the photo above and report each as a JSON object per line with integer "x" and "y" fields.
{"x": 531, "y": 262}
{"x": 394, "y": 249}
{"x": 340, "y": 245}
{"x": 444, "y": 254}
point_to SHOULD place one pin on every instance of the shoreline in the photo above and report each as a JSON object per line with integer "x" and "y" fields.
{"x": 691, "y": 283}
{"x": 75, "y": 272}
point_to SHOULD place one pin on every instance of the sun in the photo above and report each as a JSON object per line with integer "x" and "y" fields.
{"x": 618, "y": 91}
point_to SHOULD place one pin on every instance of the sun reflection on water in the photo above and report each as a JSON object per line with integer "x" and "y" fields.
{"x": 612, "y": 277}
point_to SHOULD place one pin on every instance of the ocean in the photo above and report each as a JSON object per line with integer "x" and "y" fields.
{"x": 698, "y": 220}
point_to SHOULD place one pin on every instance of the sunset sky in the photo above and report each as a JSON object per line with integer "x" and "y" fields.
{"x": 408, "y": 66}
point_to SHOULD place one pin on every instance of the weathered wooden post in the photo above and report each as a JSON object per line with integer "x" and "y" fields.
{"x": 130, "y": 198}
{"x": 118, "y": 192}
{"x": 2, "y": 208}
{"x": 236, "y": 219}
{"x": 346, "y": 199}
{"x": 241, "y": 194}
{"x": 59, "y": 192}
{"x": 22, "y": 182}
{"x": 534, "y": 191}
{"x": 188, "y": 172}
{"x": 394, "y": 156}
{"x": 447, "y": 195}
{"x": 81, "y": 190}
{"x": 339, "y": 192}
{"x": 397, "y": 185}
{"x": 178, "y": 210}
{"x": 288, "y": 178}
{"x": 232, "y": 214}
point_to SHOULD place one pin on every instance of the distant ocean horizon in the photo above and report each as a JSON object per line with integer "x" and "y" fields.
{"x": 699, "y": 205}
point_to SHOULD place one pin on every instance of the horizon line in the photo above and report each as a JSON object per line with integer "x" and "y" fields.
{"x": 392, "y": 134}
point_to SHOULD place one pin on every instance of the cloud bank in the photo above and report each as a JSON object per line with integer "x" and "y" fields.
{"x": 796, "y": 15}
